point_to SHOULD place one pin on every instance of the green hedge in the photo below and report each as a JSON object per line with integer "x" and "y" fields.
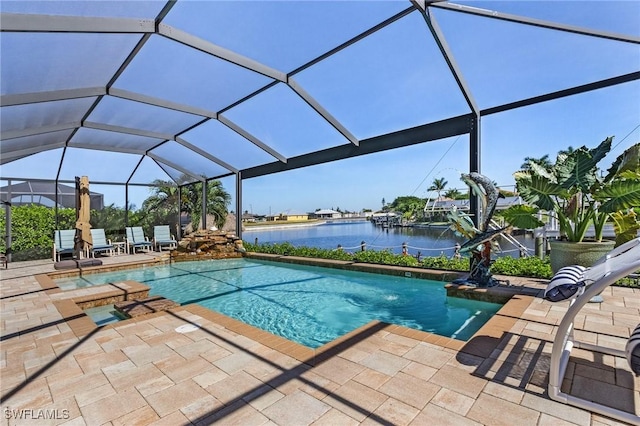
{"x": 532, "y": 267}
{"x": 526, "y": 267}
{"x": 32, "y": 230}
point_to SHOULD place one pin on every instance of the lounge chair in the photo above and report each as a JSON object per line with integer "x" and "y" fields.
{"x": 619, "y": 263}
{"x": 162, "y": 238}
{"x": 137, "y": 240}
{"x": 63, "y": 243}
{"x": 100, "y": 243}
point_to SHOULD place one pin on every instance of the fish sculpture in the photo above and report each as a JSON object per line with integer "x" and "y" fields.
{"x": 480, "y": 239}
{"x": 488, "y": 193}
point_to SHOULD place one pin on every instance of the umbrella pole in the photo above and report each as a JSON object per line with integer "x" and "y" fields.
{"x": 83, "y": 241}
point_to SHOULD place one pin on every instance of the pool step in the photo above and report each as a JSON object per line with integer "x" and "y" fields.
{"x": 149, "y": 305}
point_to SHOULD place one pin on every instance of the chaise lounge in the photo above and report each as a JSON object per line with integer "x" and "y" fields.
{"x": 162, "y": 238}
{"x": 100, "y": 243}
{"x": 137, "y": 240}
{"x": 619, "y": 263}
{"x": 63, "y": 243}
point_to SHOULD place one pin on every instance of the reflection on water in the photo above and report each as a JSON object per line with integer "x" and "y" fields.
{"x": 427, "y": 241}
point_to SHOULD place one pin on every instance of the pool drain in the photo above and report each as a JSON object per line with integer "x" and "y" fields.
{"x": 187, "y": 328}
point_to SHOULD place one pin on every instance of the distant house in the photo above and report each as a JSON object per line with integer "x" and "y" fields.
{"x": 446, "y": 204}
{"x": 286, "y": 217}
{"x": 327, "y": 214}
{"x": 248, "y": 217}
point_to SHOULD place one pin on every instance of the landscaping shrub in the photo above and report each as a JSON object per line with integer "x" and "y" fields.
{"x": 32, "y": 230}
{"x": 533, "y": 267}
{"x": 528, "y": 267}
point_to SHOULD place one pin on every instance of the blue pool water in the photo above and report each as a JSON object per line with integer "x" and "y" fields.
{"x": 103, "y": 315}
{"x": 309, "y": 305}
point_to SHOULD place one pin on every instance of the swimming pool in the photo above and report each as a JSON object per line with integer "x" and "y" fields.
{"x": 306, "y": 304}
{"x": 103, "y": 315}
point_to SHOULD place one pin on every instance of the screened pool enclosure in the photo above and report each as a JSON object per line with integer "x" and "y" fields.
{"x": 129, "y": 92}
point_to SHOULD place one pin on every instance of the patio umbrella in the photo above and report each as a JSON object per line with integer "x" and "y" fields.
{"x": 83, "y": 213}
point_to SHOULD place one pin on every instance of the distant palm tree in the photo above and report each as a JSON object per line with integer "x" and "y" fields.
{"x": 567, "y": 151}
{"x": 438, "y": 185}
{"x": 542, "y": 161}
{"x": 454, "y": 194}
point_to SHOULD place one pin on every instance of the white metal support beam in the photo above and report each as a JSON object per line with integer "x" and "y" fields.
{"x": 32, "y": 131}
{"x": 440, "y": 40}
{"x": 219, "y": 52}
{"x": 14, "y": 155}
{"x": 175, "y": 166}
{"x": 18, "y": 22}
{"x": 206, "y": 154}
{"x": 150, "y": 100}
{"x": 55, "y": 95}
{"x": 126, "y": 130}
{"x": 536, "y": 22}
{"x": 106, "y": 148}
{"x": 257, "y": 142}
{"x": 323, "y": 112}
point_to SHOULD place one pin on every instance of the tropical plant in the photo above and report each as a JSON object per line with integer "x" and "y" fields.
{"x": 438, "y": 185}
{"x": 218, "y": 200}
{"x": 162, "y": 205}
{"x": 543, "y": 161}
{"x": 408, "y": 205}
{"x": 111, "y": 219}
{"x": 455, "y": 194}
{"x": 526, "y": 266}
{"x": 573, "y": 190}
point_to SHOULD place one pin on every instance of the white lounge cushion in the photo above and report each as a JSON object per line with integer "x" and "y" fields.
{"x": 565, "y": 283}
{"x": 633, "y": 351}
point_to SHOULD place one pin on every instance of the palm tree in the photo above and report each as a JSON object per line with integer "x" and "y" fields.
{"x": 218, "y": 201}
{"x": 543, "y": 161}
{"x": 164, "y": 196}
{"x": 454, "y": 194}
{"x": 438, "y": 185}
{"x": 162, "y": 205}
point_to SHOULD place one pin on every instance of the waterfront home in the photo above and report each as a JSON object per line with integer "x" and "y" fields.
{"x": 286, "y": 217}
{"x": 326, "y": 214}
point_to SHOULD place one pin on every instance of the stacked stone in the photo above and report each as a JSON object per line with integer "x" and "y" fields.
{"x": 205, "y": 244}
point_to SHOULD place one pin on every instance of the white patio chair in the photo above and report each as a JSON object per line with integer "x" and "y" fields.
{"x": 137, "y": 240}
{"x": 100, "y": 243}
{"x": 63, "y": 243}
{"x": 619, "y": 263}
{"x": 162, "y": 238}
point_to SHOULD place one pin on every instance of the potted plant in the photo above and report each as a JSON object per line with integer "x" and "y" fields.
{"x": 574, "y": 192}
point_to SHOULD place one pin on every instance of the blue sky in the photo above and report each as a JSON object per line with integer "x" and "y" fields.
{"x": 393, "y": 79}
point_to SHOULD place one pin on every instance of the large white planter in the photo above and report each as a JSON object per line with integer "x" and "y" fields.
{"x": 586, "y": 253}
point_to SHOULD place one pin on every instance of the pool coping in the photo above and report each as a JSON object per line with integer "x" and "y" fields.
{"x": 482, "y": 343}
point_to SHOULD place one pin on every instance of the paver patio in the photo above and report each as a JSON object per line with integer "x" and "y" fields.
{"x": 153, "y": 370}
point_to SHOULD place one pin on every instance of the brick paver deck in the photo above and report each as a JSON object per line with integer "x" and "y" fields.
{"x": 189, "y": 365}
